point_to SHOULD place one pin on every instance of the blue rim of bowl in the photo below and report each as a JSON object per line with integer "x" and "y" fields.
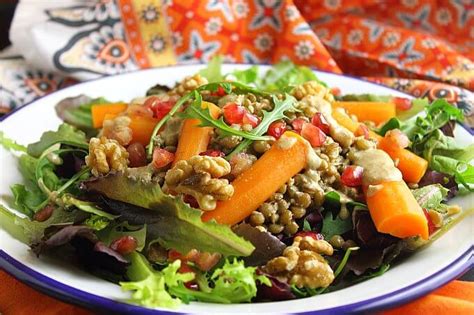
{"x": 72, "y": 295}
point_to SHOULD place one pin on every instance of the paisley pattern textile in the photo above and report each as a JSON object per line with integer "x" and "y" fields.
{"x": 424, "y": 48}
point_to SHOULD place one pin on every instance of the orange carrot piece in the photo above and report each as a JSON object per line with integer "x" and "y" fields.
{"x": 412, "y": 166}
{"x": 377, "y": 112}
{"x": 272, "y": 170}
{"x": 194, "y": 139}
{"x": 395, "y": 211}
{"x": 142, "y": 128}
{"x": 99, "y": 112}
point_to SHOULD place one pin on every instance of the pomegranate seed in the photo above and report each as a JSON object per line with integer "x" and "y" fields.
{"x": 319, "y": 121}
{"x": 136, "y": 155}
{"x": 362, "y": 130}
{"x": 276, "y": 129}
{"x": 402, "y": 103}
{"x": 162, "y": 157}
{"x": 315, "y": 136}
{"x": 250, "y": 119}
{"x": 335, "y": 91}
{"x": 159, "y": 106}
{"x": 316, "y": 236}
{"x": 213, "y": 153}
{"x": 233, "y": 113}
{"x": 124, "y": 245}
{"x": 431, "y": 226}
{"x": 398, "y": 138}
{"x": 220, "y": 92}
{"x": 44, "y": 214}
{"x": 297, "y": 124}
{"x": 190, "y": 200}
{"x": 352, "y": 176}
{"x": 174, "y": 254}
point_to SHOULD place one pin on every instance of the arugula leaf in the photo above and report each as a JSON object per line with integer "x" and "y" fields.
{"x": 430, "y": 197}
{"x": 178, "y": 225}
{"x": 213, "y": 71}
{"x": 278, "y": 112}
{"x": 26, "y": 200}
{"x": 66, "y": 134}
{"x": 196, "y": 111}
{"x": 10, "y": 144}
{"x": 335, "y": 226}
{"x": 150, "y": 285}
{"x": 392, "y": 123}
{"x": 333, "y": 198}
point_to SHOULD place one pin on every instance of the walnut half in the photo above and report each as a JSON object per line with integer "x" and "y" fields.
{"x": 106, "y": 155}
{"x": 200, "y": 177}
{"x": 302, "y": 263}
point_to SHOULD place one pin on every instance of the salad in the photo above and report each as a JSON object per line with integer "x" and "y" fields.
{"x": 240, "y": 187}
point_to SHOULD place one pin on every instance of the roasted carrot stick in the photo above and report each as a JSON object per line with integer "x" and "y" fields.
{"x": 194, "y": 139}
{"x": 395, "y": 211}
{"x": 101, "y": 110}
{"x": 142, "y": 128}
{"x": 412, "y": 166}
{"x": 377, "y": 112}
{"x": 286, "y": 158}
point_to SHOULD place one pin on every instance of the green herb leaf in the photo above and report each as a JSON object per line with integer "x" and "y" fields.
{"x": 335, "y": 226}
{"x": 196, "y": 111}
{"x": 179, "y": 226}
{"x": 66, "y": 134}
{"x": 10, "y": 144}
{"x": 278, "y": 112}
{"x": 431, "y": 197}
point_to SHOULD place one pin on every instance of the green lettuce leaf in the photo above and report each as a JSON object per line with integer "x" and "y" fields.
{"x": 66, "y": 134}
{"x": 335, "y": 226}
{"x": 213, "y": 72}
{"x": 431, "y": 197}
{"x": 10, "y": 144}
{"x": 180, "y": 226}
{"x": 247, "y": 76}
{"x": 284, "y": 75}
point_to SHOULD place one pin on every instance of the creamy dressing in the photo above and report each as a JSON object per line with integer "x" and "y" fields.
{"x": 378, "y": 167}
{"x": 286, "y": 142}
{"x": 343, "y": 136}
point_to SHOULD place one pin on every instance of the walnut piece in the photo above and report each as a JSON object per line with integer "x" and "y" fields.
{"x": 200, "y": 177}
{"x": 106, "y": 155}
{"x": 312, "y": 88}
{"x": 188, "y": 84}
{"x": 302, "y": 263}
{"x": 118, "y": 129}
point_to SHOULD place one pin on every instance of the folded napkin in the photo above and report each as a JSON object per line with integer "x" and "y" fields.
{"x": 456, "y": 297}
{"x": 424, "y": 48}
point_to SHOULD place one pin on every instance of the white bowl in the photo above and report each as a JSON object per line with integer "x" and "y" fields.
{"x": 421, "y": 273}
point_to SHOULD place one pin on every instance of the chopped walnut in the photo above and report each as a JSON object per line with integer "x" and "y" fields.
{"x": 188, "y": 84}
{"x": 106, "y": 155}
{"x": 302, "y": 263}
{"x": 117, "y": 129}
{"x": 312, "y": 88}
{"x": 200, "y": 177}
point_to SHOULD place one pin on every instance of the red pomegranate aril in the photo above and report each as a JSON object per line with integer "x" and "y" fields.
{"x": 362, "y": 130}
{"x": 276, "y": 129}
{"x": 213, "y": 153}
{"x": 316, "y": 236}
{"x": 233, "y": 113}
{"x": 315, "y": 136}
{"x": 335, "y": 91}
{"x": 297, "y": 124}
{"x": 159, "y": 106}
{"x": 162, "y": 157}
{"x": 220, "y": 92}
{"x": 136, "y": 155}
{"x": 431, "y": 226}
{"x": 250, "y": 119}
{"x": 44, "y": 214}
{"x": 190, "y": 200}
{"x": 124, "y": 245}
{"x": 319, "y": 121}
{"x": 402, "y": 103}
{"x": 352, "y": 176}
{"x": 174, "y": 254}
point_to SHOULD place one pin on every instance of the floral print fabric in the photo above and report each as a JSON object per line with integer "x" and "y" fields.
{"x": 424, "y": 48}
